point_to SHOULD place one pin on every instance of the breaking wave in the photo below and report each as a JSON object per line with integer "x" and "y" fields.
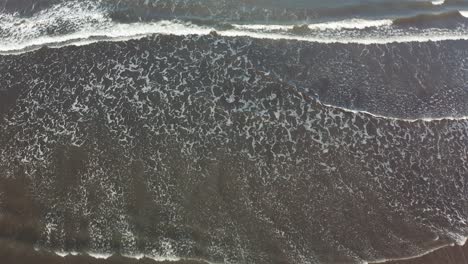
{"x": 84, "y": 22}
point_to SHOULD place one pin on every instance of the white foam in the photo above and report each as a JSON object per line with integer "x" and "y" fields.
{"x": 425, "y": 119}
{"x": 350, "y": 39}
{"x": 119, "y": 32}
{"x": 86, "y": 20}
{"x": 113, "y": 32}
{"x": 136, "y": 256}
{"x": 261, "y": 27}
{"x": 83, "y": 15}
{"x": 464, "y": 13}
{"x": 107, "y": 255}
{"x": 407, "y": 258}
{"x": 438, "y": 2}
{"x": 354, "y": 23}
{"x": 461, "y": 241}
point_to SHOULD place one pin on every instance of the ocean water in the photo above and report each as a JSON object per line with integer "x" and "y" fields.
{"x": 234, "y": 131}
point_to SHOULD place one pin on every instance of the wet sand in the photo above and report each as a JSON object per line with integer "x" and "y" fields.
{"x": 20, "y": 227}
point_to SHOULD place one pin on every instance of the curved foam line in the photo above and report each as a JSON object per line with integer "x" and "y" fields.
{"x": 91, "y": 19}
{"x": 174, "y": 259}
{"x": 117, "y": 31}
{"x": 140, "y": 30}
{"x": 25, "y": 37}
{"x": 416, "y": 256}
{"x": 353, "y": 23}
{"x": 424, "y": 119}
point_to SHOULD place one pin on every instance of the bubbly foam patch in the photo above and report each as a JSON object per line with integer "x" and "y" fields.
{"x": 57, "y": 20}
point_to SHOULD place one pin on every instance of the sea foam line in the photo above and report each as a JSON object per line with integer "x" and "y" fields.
{"x": 119, "y": 32}
{"x": 91, "y": 23}
{"x": 174, "y": 258}
{"x": 412, "y": 257}
{"x": 136, "y": 256}
{"x": 410, "y": 120}
{"x": 354, "y": 23}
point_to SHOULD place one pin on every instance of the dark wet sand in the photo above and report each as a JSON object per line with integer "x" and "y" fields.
{"x": 19, "y": 229}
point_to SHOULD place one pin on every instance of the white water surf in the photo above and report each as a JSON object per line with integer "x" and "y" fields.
{"x": 85, "y": 23}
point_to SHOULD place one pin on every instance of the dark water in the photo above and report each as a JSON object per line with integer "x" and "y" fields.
{"x": 232, "y": 149}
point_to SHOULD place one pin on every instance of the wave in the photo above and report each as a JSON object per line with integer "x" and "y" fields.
{"x": 140, "y": 30}
{"x": 84, "y": 22}
{"x": 58, "y": 20}
{"x": 60, "y": 27}
{"x": 116, "y": 32}
{"x": 354, "y": 23}
{"x": 442, "y": 20}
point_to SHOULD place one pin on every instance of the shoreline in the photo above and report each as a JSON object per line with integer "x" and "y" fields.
{"x": 22, "y": 253}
